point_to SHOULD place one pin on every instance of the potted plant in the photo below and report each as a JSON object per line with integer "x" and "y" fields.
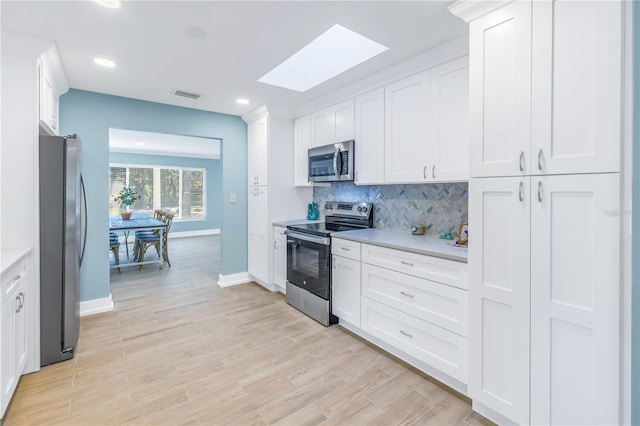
{"x": 126, "y": 197}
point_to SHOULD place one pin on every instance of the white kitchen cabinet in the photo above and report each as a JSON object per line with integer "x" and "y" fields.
{"x": 345, "y": 289}
{"x": 499, "y": 285}
{"x": 52, "y": 84}
{"x": 576, "y": 86}
{"x": 258, "y": 248}
{"x": 406, "y": 118}
{"x": 500, "y": 91}
{"x": 272, "y": 196}
{"x": 333, "y": 124}
{"x": 369, "y": 137}
{"x": 449, "y": 141}
{"x": 302, "y": 143}
{"x": 280, "y": 259}
{"x": 15, "y": 306}
{"x": 575, "y": 299}
{"x": 257, "y": 153}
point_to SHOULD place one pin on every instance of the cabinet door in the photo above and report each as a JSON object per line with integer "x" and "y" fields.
{"x": 577, "y": 48}
{"x": 499, "y": 91}
{"x": 575, "y": 282}
{"x": 369, "y": 137}
{"x": 7, "y": 357}
{"x": 323, "y": 127}
{"x": 20, "y": 336}
{"x": 258, "y": 250}
{"x": 257, "y": 153}
{"x": 407, "y": 129}
{"x": 345, "y": 289}
{"x": 344, "y": 121}
{"x": 499, "y": 281}
{"x": 302, "y": 143}
{"x": 450, "y": 121}
{"x": 280, "y": 258}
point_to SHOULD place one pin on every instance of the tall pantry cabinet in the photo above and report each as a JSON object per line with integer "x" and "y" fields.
{"x": 544, "y": 197}
{"x": 271, "y": 193}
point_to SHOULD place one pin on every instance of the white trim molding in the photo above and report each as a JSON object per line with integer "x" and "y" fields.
{"x": 96, "y": 306}
{"x": 468, "y": 10}
{"x": 199, "y": 233}
{"x": 234, "y": 279}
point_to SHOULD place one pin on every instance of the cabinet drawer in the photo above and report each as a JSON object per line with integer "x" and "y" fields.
{"x": 428, "y": 267}
{"x": 13, "y": 277}
{"x": 428, "y": 343}
{"x": 439, "y": 304}
{"x": 345, "y": 248}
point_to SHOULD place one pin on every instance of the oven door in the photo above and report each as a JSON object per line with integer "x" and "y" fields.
{"x": 309, "y": 263}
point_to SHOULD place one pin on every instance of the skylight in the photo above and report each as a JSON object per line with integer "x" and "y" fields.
{"x": 334, "y": 52}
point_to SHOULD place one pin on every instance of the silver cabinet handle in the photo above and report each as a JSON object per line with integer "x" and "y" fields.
{"x": 406, "y": 263}
{"x": 540, "y": 159}
{"x": 433, "y": 171}
{"x": 424, "y": 172}
{"x": 19, "y": 304}
{"x": 406, "y": 294}
{"x": 521, "y": 192}
{"x": 406, "y": 334}
{"x": 345, "y": 249}
{"x": 521, "y": 160}
{"x": 357, "y": 175}
{"x": 17, "y": 277}
{"x": 275, "y": 243}
{"x": 540, "y": 191}
{"x": 334, "y": 263}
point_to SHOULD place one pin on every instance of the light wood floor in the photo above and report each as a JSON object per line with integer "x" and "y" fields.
{"x": 178, "y": 349}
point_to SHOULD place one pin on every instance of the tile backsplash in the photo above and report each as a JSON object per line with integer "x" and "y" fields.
{"x": 438, "y": 206}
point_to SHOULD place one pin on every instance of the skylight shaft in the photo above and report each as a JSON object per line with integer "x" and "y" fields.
{"x": 332, "y": 53}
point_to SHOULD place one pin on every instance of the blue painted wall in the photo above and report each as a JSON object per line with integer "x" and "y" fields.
{"x": 635, "y": 225}
{"x": 90, "y": 115}
{"x": 213, "y": 185}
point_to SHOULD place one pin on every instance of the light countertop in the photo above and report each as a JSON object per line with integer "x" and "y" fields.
{"x": 285, "y": 223}
{"x": 422, "y": 244}
{"x": 8, "y": 258}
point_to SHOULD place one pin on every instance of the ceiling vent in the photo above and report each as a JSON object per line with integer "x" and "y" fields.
{"x": 187, "y": 94}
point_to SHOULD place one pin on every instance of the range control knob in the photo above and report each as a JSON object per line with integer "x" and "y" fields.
{"x": 364, "y": 209}
{"x": 359, "y": 208}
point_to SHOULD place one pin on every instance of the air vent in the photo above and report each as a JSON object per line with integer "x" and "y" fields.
{"x": 187, "y": 94}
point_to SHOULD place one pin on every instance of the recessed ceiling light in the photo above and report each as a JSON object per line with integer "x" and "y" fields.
{"x": 196, "y": 32}
{"x": 242, "y": 101}
{"x": 104, "y": 62}
{"x": 140, "y": 143}
{"x": 111, "y": 4}
{"x": 333, "y": 52}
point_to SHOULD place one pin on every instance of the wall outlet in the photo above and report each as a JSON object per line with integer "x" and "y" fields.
{"x": 232, "y": 197}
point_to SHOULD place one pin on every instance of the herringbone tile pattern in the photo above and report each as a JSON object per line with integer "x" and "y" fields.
{"x": 178, "y": 349}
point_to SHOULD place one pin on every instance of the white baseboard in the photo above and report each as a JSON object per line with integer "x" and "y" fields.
{"x": 96, "y": 306}
{"x": 234, "y": 279}
{"x": 182, "y": 234}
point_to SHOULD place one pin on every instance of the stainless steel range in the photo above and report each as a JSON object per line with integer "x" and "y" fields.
{"x": 309, "y": 257}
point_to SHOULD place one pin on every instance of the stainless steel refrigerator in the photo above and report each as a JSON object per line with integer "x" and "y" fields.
{"x": 62, "y": 238}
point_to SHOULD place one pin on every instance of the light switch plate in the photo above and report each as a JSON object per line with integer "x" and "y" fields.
{"x": 232, "y": 197}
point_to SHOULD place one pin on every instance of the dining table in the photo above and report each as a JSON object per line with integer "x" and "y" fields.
{"x": 137, "y": 222}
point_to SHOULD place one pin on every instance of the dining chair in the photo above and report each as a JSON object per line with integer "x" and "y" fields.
{"x": 144, "y": 241}
{"x": 114, "y": 246}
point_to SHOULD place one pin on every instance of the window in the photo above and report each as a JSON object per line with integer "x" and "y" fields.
{"x": 178, "y": 190}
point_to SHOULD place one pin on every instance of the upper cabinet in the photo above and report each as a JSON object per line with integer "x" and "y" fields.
{"x": 545, "y": 91}
{"x": 333, "y": 124}
{"x": 52, "y": 84}
{"x": 302, "y": 138}
{"x": 258, "y": 153}
{"x": 369, "y": 137}
{"x": 406, "y": 116}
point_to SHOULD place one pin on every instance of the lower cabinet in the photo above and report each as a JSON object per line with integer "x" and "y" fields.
{"x": 258, "y": 241}
{"x": 279, "y": 259}
{"x": 345, "y": 289}
{"x": 13, "y": 330}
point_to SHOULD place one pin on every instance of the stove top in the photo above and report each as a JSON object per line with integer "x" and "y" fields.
{"x": 339, "y": 216}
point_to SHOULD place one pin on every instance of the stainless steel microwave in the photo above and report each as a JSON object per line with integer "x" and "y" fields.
{"x": 331, "y": 163}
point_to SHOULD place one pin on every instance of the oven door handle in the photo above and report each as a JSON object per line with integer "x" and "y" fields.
{"x": 325, "y": 241}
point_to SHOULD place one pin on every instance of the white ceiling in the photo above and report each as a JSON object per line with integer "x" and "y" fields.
{"x": 157, "y": 54}
{"x": 149, "y": 143}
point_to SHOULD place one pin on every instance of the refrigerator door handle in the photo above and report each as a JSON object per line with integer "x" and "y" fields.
{"x": 84, "y": 219}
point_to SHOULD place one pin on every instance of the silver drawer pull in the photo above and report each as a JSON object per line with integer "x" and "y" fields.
{"x": 406, "y": 263}
{"x": 17, "y": 277}
{"x": 345, "y": 249}
{"x": 407, "y": 294}
{"x": 406, "y": 334}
